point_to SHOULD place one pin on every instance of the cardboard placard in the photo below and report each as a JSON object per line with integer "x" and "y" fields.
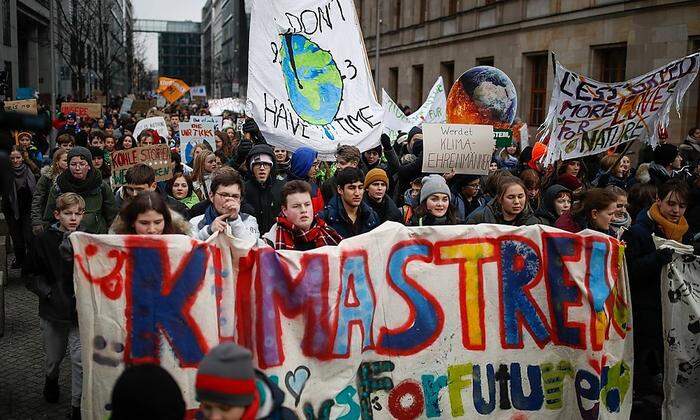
{"x": 26, "y": 106}
{"x": 142, "y": 105}
{"x": 466, "y": 148}
{"x": 127, "y": 103}
{"x": 193, "y": 133}
{"x": 82, "y": 109}
{"x": 156, "y": 156}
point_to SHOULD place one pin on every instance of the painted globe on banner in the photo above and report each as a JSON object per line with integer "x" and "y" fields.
{"x": 314, "y": 83}
{"x": 482, "y": 95}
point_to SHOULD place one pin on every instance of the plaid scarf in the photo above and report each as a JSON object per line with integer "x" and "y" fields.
{"x": 289, "y": 236}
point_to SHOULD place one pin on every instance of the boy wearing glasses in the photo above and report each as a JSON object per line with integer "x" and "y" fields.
{"x": 225, "y": 210}
{"x": 50, "y": 276}
{"x": 466, "y": 195}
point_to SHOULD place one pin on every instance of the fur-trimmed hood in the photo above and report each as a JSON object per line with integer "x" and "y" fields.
{"x": 181, "y": 226}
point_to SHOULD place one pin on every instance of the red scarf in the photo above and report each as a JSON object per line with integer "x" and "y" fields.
{"x": 289, "y": 235}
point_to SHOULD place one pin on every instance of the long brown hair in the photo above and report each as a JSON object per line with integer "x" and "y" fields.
{"x": 594, "y": 199}
{"x": 198, "y": 171}
{"x": 55, "y": 170}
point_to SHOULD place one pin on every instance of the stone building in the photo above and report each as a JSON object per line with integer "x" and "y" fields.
{"x": 608, "y": 40}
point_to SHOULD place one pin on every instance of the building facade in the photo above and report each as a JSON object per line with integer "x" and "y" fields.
{"x": 180, "y": 52}
{"x": 608, "y": 40}
{"x": 100, "y": 62}
{"x": 225, "y": 26}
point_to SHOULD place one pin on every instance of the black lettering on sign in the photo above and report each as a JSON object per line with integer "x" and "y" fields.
{"x": 309, "y": 21}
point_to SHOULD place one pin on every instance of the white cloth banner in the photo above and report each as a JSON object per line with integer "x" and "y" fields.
{"x": 309, "y": 82}
{"x": 436, "y": 322}
{"x": 433, "y": 110}
{"x": 587, "y": 117}
{"x": 218, "y": 106}
{"x": 152, "y": 123}
{"x": 680, "y": 295}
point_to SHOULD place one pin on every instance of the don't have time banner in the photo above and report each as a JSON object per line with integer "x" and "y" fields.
{"x": 429, "y": 322}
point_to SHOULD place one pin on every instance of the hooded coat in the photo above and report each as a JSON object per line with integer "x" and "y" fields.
{"x": 547, "y": 212}
{"x": 300, "y": 164}
{"x": 493, "y": 213}
{"x": 41, "y": 195}
{"x": 264, "y": 198}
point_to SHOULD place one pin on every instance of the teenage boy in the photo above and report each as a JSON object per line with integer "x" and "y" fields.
{"x": 297, "y": 228}
{"x": 347, "y": 212}
{"x": 50, "y": 276}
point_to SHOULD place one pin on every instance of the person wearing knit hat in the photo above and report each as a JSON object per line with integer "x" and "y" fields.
{"x": 376, "y": 184}
{"x": 263, "y": 190}
{"x": 539, "y": 150}
{"x": 226, "y": 388}
{"x": 435, "y": 207}
{"x": 146, "y": 391}
{"x": 83, "y": 179}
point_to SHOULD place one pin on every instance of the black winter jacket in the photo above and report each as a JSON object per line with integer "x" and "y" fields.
{"x": 50, "y": 277}
{"x": 335, "y": 216}
{"x": 386, "y": 210}
{"x": 264, "y": 200}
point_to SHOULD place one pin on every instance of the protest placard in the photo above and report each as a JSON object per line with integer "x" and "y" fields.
{"x": 152, "y": 123}
{"x": 503, "y": 136}
{"x": 160, "y": 102}
{"x": 587, "y": 117}
{"x": 309, "y": 81}
{"x": 200, "y": 90}
{"x": 432, "y": 111}
{"x": 25, "y": 106}
{"x": 431, "y": 322}
{"x": 142, "y": 105}
{"x": 82, "y": 109}
{"x": 463, "y": 147}
{"x": 193, "y": 133}
{"x": 156, "y": 156}
{"x": 127, "y": 103}
{"x": 175, "y": 90}
{"x": 680, "y": 305}
{"x": 25, "y": 93}
{"x": 218, "y": 106}
{"x": 217, "y": 121}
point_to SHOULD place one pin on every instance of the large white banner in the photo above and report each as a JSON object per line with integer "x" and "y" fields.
{"x": 309, "y": 82}
{"x": 437, "y": 322}
{"x": 680, "y": 294}
{"x": 587, "y": 117}
{"x": 432, "y": 111}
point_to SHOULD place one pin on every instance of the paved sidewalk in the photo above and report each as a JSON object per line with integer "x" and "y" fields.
{"x": 21, "y": 360}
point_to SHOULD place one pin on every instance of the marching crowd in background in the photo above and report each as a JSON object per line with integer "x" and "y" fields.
{"x": 59, "y": 182}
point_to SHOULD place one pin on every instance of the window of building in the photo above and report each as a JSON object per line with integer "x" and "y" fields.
{"x": 611, "y": 63}
{"x": 538, "y": 88}
{"x": 422, "y": 11}
{"x": 397, "y": 12}
{"x": 452, "y": 9}
{"x": 394, "y": 83}
{"x": 485, "y": 61}
{"x": 417, "y": 84}
{"x": 447, "y": 71}
{"x": 6, "y": 29}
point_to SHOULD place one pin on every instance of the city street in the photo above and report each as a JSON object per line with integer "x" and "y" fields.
{"x": 21, "y": 360}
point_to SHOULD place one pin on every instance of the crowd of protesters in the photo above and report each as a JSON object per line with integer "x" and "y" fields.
{"x": 294, "y": 201}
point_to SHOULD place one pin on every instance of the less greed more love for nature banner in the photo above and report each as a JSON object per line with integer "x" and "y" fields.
{"x": 587, "y": 117}
{"x": 401, "y": 322}
{"x": 309, "y": 82}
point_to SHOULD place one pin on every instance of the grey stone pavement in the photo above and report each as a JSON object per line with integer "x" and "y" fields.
{"x": 21, "y": 360}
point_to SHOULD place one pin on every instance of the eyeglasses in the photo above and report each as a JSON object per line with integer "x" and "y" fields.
{"x": 79, "y": 164}
{"x": 476, "y": 187}
{"x": 234, "y": 197}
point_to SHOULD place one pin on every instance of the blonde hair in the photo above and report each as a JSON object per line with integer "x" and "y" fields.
{"x": 69, "y": 199}
{"x": 198, "y": 171}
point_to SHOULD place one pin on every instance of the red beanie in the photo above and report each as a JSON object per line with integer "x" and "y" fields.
{"x": 538, "y": 152}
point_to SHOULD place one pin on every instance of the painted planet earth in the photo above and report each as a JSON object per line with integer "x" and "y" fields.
{"x": 314, "y": 83}
{"x": 482, "y": 95}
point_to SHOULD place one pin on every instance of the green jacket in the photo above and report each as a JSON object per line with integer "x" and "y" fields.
{"x": 190, "y": 201}
{"x": 100, "y": 208}
{"x": 41, "y": 194}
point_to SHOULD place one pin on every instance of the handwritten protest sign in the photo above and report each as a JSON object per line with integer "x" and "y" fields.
{"x": 156, "y": 156}
{"x": 217, "y": 121}
{"x": 463, "y": 147}
{"x": 193, "y": 133}
{"x": 432, "y": 111}
{"x": 82, "y": 109}
{"x": 680, "y": 304}
{"x": 152, "y": 123}
{"x": 142, "y": 105}
{"x": 587, "y": 117}
{"x": 218, "y": 106}
{"x": 309, "y": 79}
{"x": 25, "y": 106}
{"x": 436, "y": 322}
{"x": 127, "y": 103}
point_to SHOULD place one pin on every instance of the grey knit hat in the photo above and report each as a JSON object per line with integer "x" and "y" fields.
{"x": 226, "y": 376}
{"x": 81, "y": 151}
{"x": 434, "y": 184}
